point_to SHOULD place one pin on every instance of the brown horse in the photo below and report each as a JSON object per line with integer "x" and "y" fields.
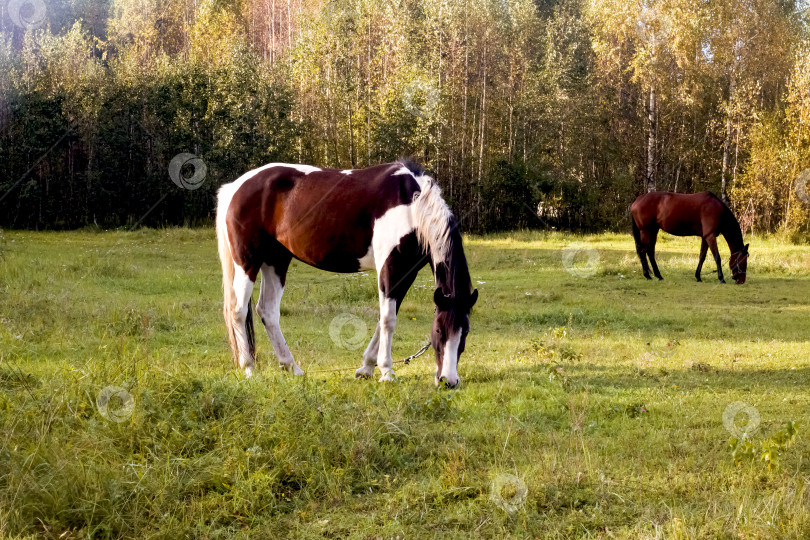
{"x": 696, "y": 214}
{"x": 390, "y": 218}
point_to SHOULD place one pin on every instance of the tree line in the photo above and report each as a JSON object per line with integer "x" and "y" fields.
{"x": 530, "y": 113}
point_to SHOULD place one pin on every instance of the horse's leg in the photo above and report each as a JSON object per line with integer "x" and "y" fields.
{"x": 269, "y": 309}
{"x": 711, "y": 239}
{"x": 704, "y": 247}
{"x": 641, "y": 249}
{"x": 243, "y": 288}
{"x": 370, "y": 355}
{"x": 395, "y": 275}
{"x": 651, "y": 254}
{"x": 388, "y": 321}
{"x": 379, "y": 348}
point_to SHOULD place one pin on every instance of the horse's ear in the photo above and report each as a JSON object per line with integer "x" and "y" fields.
{"x": 473, "y": 298}
{"x": 442, "y": 300}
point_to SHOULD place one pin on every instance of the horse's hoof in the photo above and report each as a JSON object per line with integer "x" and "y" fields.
{"x": 648, "y": 277}
{"x": 364, "y": 372}
{"x": 723, "y": 281}
{"x": 388, "y": 376}
{"x": 297, "y": 371}
{"x": 699, "y": 280}
{"x": 248, "y": 372}
{"x": 660, "y": 278}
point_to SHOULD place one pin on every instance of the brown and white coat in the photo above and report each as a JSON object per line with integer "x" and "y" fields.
{"x": 390, "y": 218}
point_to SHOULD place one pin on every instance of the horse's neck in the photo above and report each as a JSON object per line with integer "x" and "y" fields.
{"x": 732, "y": 233}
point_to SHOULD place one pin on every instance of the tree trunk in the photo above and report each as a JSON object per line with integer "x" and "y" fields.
{"x": 273, "y": 33}
{"x": 726, "y": 146}
{"x": 466, "y": 94}
{"x": 651, "y": 142}
{"x": 483, "y": 118}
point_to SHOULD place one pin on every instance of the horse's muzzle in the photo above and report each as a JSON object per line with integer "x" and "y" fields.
{"x": 444, "y": 382}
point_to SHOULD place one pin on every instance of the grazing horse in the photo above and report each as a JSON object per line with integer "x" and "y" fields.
{"x": 390, "y": 218}
{"x": 681, "y": 214}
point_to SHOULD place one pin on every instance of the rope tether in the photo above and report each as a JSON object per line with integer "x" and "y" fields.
{"x": 406, "y": 361}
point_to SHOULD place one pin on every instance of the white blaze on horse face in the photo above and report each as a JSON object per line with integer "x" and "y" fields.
{"x": 450, "y": 359}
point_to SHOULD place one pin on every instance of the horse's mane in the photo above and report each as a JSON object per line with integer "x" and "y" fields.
{"x": 732, "y": 231}
{"x": 437, "y": 231}
{"x": 726, "y": 210}
{"x": 416, "y": 168}
{"x": 433, "y": 220}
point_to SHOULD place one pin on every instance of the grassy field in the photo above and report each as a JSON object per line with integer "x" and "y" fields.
{"x": 591, "y": 405}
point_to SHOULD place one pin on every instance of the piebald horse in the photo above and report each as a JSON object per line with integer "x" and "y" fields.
{"x": 390, "y": 218}
{"x": 682, "y": 214}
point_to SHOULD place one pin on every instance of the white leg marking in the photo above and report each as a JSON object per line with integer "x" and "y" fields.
{"x": 269, "y": 309}
{"x": 243, "y": 287}
{"x": 366, "y": 369}
{"x": 388, "y": 321}
{"x": 388, "y": 232}
{"x": 450, "y": 360}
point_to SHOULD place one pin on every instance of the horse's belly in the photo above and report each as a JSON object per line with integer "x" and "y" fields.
{"x": 339, "y": 258}
{"x": 680, "y": 228}
{"x": 359, "y": 246}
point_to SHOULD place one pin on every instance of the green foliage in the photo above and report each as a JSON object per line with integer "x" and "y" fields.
{"x": 107, "y": 129}
{"x": 436, "y": 407}
{"x": 741, "y": 450}
{"x": 556, "y": 349}
{"x": 780, "y": 159}
{"x": 530, "y": 114}
{"x": 774, "y": 447}
{"x": 770, "y": 450}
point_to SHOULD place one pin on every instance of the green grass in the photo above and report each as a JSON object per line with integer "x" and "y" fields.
{"x": 603, "y": 394}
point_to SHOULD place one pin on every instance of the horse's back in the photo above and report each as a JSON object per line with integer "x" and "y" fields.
{"x": 323, "y": 217}
{"x": 307, "y": 186}
{"x": 680, "y": 214}
{"x": 645, "y": 208}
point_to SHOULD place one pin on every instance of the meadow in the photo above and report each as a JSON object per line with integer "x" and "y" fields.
{"x": 593, "y": 403}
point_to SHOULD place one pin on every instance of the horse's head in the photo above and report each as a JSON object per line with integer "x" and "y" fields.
{"x": 450, "y": 327}
{"x": 739, "y": 265}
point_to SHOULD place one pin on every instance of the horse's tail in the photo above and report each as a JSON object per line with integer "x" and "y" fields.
{"x": 228, "y": 269}
{"x": 636, "y": 232}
